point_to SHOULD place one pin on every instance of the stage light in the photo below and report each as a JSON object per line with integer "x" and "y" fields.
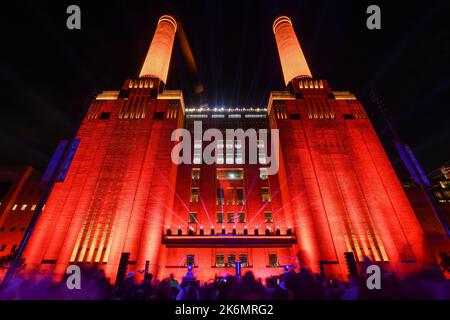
{"x": 202, "y": 232}
{"x": 180, "y": 232}
{"x": 286, "y": 269}
{"x": 234, "y": 229}
{"x": 245, "y": 230}
{"x": 213, "y": 232}
{"x": 256, "y": 231}
{"x": 168, "y": 232}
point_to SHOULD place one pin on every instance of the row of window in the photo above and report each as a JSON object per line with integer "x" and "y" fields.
{"x": 31, "y": 192}
{"x": 231, "y": 259}
{"x": 279, "y": 115}
{"x": 283, "y": 115}
{"x": 23, "y": 207}
{"x": 220, "y": 116}
{"x": 442, "y": 194}
{"x": 230, "y": 174}
{"x": 230, "y": 196}
{"x": 13, "y": 248}
{"x": 232, "y": 217}
{"x": 296, "y": 116}
{"x": 12, "y": 229}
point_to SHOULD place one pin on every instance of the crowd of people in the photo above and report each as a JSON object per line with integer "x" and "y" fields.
{"x": 289, "y": 285}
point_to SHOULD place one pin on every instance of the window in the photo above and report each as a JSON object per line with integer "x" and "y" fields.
{"x": 190, "y": 260}
{"x": 239, "y": 154}
{"x": 219, "y": 217}
{"x": 294, "y": 116}
{"x": 4, "y": 188}
{"x": 231, "y": 260}
{"x": 230, "y": 217}
{"x": 104, "y": 115}
{"x": 268, "y": 217}
{"x": 198, "y": 116}
{"x": 230, "y": 196}
{"x": 2, "y": 229}
{"x": 262, "y": 152}
{"x": 194, "y": 195}
{"x": 33, "y": 207}
{"x": 243, "y": 258}
{"x": 3, "y": 247}
{"x": 192, "y": 217}
{"x": 273, "y": 260}
{"x": 24, "y": 206}
{"x": 22, "y": 229}
{"x": 220, "y": 201}
{"x": 14, "y": 207}
{"x": 197, "y": 151}
{"x": 348, "y": 116}
{"x": 240, "y": 196}
{"x": 265, "y": 194}
{"x": 230, "y": 174}
{"x": 195, "y": 173}
{"x": 158, "y": 116}
{"x": 263, "y": 173}
{"x": 241, "y": 217}
{"x": 13, "y": 248}
{"x": 13, "y": 229}
{"x": 220, "y": 260}
{"x": 220, "y": 152}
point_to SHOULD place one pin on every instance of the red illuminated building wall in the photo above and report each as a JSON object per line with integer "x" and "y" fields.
{"x": 335, "y": 191}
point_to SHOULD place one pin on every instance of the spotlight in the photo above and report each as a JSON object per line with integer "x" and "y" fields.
{"x": 256, "y": 231}
{"x": 213, "y": 232}
{"x": 286, "y": 269}
{"x": 191, "y": 231}
{"x": 168, "y": 232}
{"x": 202, "y": 232}
{"x": 267, "y": 231}
{"x": 223, "y": 229}
{"x": 190, "y": 275}
{"x": 180, "y": 232}
{"x": 234, "y": 229}
{"x": 245, "y": 230}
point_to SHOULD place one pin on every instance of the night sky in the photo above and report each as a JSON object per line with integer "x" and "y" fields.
{"x": 47, "y": 72}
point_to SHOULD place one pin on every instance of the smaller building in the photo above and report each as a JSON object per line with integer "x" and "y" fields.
{"x": 440, "y": 188}
{"x": 21, "y": 190}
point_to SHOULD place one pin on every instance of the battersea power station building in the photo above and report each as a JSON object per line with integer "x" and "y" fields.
{"x": 124, "y": 205}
